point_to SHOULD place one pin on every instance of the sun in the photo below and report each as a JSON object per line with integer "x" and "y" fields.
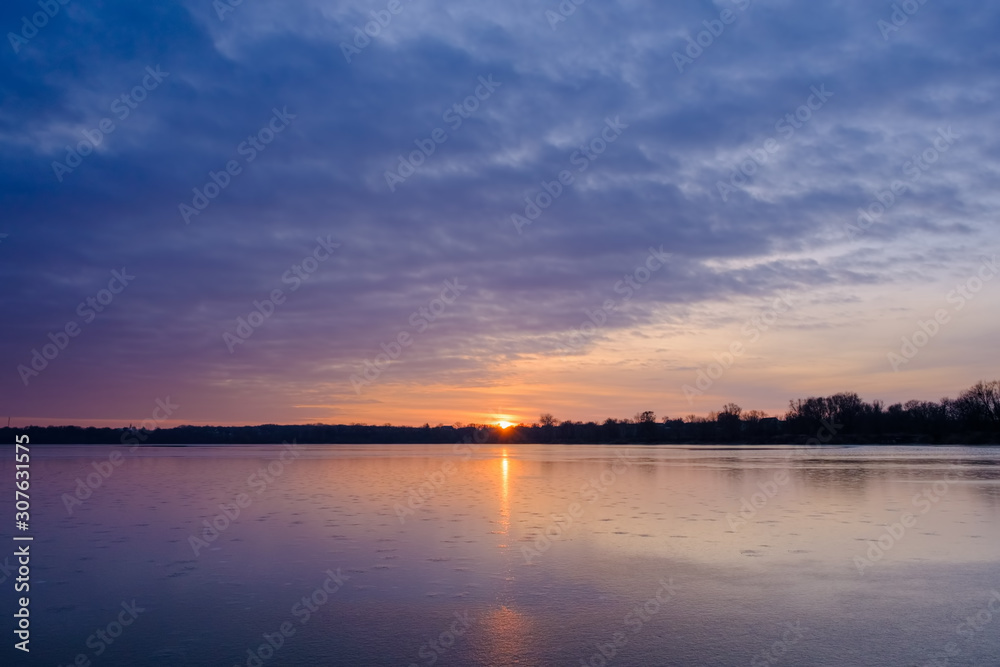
{"x": 504, "y": 424}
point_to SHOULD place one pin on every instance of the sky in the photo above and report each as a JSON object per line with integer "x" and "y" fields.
{"x": 406, "y": 212}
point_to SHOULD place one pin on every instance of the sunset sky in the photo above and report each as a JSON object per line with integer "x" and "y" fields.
{"x": 467, "y": 185}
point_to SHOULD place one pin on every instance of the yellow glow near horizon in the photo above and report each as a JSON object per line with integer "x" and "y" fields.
{"x": 504, "y": 424}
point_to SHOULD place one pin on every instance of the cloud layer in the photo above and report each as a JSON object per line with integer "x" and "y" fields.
{"x": 693, "y": 127}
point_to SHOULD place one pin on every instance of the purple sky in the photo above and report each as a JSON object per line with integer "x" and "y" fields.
{"x": 603, "y": 169}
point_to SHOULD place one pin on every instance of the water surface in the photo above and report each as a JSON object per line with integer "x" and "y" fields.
{"x": 519, "y": 555}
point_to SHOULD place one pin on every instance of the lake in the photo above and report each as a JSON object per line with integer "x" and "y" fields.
{"x": 518, "y": 555}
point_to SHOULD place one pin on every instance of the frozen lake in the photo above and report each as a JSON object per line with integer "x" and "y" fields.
{"x": 519, "y": 555}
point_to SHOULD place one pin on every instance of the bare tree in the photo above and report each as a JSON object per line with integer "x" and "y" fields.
{"x": 731, "y": 410}
{"x": 980, "y": 404}
{"x": 645, "y": 417}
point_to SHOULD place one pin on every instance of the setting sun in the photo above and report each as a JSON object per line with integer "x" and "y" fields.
{"x": 504, "y": 424}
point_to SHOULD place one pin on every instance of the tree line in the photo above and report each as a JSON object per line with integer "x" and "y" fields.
{"x": 971, "y": 418}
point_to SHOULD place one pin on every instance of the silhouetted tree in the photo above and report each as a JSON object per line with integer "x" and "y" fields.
{"x": 646, "y": 426}
{"x": 729, "y": 421}
{"x": 979, "y": 406}
{"x": 971, "y": 418}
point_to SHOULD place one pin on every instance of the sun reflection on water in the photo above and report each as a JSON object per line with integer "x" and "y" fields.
{"x": 504, "y": 632}
{"x": 504, "y": 519}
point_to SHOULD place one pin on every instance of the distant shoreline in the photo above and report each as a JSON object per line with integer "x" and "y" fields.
{"x": 356, "y": 435}
{"x": 717, "y": 447}
{"x": 842, "y": 419}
